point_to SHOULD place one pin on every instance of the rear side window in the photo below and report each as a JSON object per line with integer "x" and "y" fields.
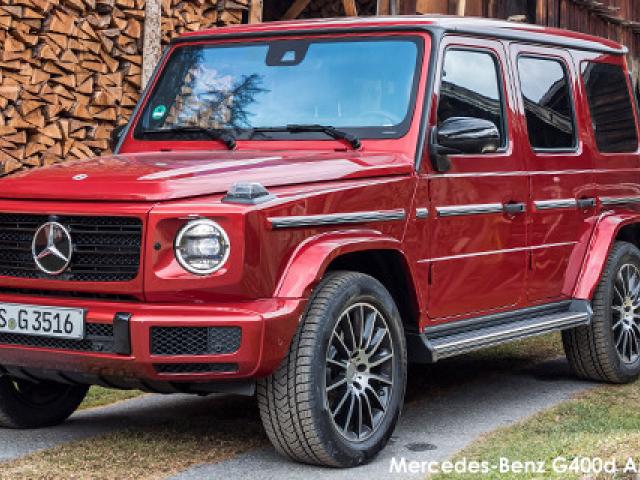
{"x": 471, "y": 87}
{"x": 547, "y": 103}
{"x": 611, "y": 108}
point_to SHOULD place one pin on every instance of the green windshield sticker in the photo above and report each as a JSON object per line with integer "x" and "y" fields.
{"x": 159, "y": 112}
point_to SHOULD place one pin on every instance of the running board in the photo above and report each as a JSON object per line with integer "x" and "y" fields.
{"x": 457, "y": 338}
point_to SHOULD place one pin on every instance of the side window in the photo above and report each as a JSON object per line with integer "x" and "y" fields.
{"x": 547, "y": 103}
{"x": 610, "y": 106}
{"x": 471, "y": 87}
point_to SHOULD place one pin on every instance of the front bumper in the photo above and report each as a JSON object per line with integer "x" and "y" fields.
{"x": 266, "y": 329}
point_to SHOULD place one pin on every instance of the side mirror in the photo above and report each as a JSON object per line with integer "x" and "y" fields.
{"x": 462, "y": 135}
{"x": 116, "y": 135}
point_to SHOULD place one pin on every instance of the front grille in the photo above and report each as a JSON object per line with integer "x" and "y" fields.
{"x": 105, "y": 249}
{"x": 99, "y": 338}
{"x": 196, "y": 367}
{"x": 195, "y": 340}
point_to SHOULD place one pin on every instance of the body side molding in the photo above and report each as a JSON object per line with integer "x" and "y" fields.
{"x": 336, "y": 219}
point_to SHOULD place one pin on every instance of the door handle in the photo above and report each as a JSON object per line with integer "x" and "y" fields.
{"x": 584, "y": 203}
{"x": 513, "y": 208}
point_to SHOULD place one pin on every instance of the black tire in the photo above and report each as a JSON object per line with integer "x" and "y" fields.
{"x": 26, "y": 404}
{"x": 294, "y": 401}
{"x": 591, "y": 350}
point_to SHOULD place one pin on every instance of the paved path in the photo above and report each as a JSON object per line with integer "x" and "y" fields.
{"x": 448, "y": 405}
{"x": 437, "y": 422}
{"x": 141, "y": 411}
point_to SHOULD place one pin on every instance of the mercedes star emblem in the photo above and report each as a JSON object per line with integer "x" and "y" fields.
{"x": 52, "y": 248}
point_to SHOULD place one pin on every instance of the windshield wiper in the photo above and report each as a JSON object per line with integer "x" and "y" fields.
{"x": 224, "y": 136}
{"x": 333, "y": 132}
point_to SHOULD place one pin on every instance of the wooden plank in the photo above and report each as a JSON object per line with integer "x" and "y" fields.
{"x": 350, "y": 9}
{"x": 255, "y": 11}
{"x": 407, "y": 7}
{"x": 296, "y": 8}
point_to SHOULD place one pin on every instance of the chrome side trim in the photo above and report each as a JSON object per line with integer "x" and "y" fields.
{"x": 475, "y": 209}
{"x": 619, "y": 200}
{"x": 555, "y": 204}
{"x": 336, "y": 219}
{"x": 422, "y": 212}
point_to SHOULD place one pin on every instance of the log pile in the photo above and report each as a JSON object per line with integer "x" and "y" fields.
{"x": 70, "y": 71}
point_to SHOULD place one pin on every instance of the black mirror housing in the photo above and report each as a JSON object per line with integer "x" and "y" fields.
{"x": 458, "y": 135}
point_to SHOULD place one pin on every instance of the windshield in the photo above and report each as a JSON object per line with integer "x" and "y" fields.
{"x": 363, "y": 85}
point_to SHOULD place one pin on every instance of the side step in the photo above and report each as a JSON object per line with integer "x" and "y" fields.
{"x": 457, "y": 338}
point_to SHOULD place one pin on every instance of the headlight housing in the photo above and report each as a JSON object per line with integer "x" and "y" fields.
{"x": 202, "y": 246}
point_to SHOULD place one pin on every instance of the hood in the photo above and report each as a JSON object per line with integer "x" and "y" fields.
{"x": 172, "y": 175}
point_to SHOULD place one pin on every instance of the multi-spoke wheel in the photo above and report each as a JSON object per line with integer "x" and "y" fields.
{"x": 626, "y": 313}
{"x": 359, "y": 371}
{"x": 609, "y": 348}
{"x": 25, "y": 404}
{"x": 337, "y": 396}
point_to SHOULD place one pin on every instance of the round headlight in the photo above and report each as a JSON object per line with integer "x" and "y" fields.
{"x": 202, "y": 246}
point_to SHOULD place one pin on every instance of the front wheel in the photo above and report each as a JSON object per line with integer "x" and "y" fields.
{"x": 25, "y": 404}
{"x": 337, "y": 396}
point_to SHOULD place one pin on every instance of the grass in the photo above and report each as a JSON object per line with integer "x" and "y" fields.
{"x": 212, "y": 431}
{"x": 99, "y": 397}
{"x": 600, "y": 423}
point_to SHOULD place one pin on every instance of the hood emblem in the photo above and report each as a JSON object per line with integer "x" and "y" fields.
{"x": 80, "y": 176}
{"x": 52, "y": 248}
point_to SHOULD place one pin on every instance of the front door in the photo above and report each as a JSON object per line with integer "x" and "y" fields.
{"x": 477, "y": 221}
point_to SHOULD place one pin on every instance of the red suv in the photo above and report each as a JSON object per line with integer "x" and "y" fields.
{"x": 299, "y": 209}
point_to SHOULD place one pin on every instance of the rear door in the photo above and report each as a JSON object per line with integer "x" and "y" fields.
{"x": 613, "y": 122}
{"x": 562, "y": 181}
{"x": 477, "y": 261}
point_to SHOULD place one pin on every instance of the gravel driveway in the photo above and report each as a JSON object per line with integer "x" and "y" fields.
{"x": 448, "y": 406}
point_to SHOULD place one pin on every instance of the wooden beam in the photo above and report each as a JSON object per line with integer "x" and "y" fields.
{"x": 350, "y": 9}
{"x": 152, "y": 36}
{"x": 296, "y": 8}
{"x": 461, "y": 7}
{"x": 255, "y": 11}
{"x": 382, "y": 7}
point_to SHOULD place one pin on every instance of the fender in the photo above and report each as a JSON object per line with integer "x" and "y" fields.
{"x": 604, "y": 235}
{"x": 307, "y": 265}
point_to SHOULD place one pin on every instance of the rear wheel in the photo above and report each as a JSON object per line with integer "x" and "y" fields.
{"x": 337, "y": 396}
{"x": 25, "y": 404}
{"x": 609, "y": 348}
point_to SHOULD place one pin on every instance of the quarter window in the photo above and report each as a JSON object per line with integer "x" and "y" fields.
{"x": 610, "y": 106}
{"x": 547, "y": 103}
{"x": 471, "y": 87}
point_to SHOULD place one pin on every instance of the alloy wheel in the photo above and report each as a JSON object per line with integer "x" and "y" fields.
{"x": 359, "y": 372}
{"x": 626, "y": 313}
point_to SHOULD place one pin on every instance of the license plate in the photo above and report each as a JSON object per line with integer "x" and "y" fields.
{"x": 54, "y": 322}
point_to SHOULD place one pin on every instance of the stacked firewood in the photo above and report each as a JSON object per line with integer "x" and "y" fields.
{"x": 70, "y": 71}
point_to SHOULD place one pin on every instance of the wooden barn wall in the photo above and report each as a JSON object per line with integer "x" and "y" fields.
{"x": 615, "y": 19}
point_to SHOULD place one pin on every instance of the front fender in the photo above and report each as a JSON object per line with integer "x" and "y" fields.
{"x": 604, "y": 235}
{"x": 307, "y": 265}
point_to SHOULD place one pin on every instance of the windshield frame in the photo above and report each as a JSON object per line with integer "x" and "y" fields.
{"x": 246, "y": 134}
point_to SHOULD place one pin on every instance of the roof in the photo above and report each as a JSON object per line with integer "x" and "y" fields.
{"x": 465, "y": 25}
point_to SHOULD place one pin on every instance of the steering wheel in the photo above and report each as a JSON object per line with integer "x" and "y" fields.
{"x": 380, "y": 114}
